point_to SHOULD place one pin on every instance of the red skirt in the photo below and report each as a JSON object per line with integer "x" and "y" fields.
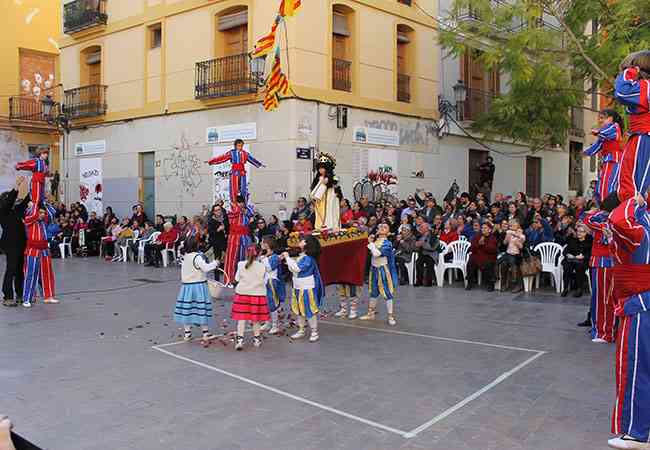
{"x": 250, "y": 307}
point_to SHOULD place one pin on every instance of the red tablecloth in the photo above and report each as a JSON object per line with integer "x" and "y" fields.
{"x": 344, "y": 263}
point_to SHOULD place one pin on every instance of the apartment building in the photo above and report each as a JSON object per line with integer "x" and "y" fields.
{"x": 28, "y": 73}
{"x": 154, "y": 88}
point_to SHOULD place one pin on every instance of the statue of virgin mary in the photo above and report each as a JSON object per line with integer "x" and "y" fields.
{"x": 324, "y": 196}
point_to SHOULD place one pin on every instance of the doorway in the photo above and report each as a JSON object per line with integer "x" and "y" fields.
{"x": 533, "y": 176}
{"x": 476, "y": 158}
{"x": 148, "y": 183}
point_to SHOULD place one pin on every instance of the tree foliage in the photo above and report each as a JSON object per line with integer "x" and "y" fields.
{"x": 545, "y": 50}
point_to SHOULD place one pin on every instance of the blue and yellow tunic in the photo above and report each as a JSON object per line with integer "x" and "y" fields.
{"x": 307, "y": 292}
{"x": 275, "y": 288}
{"x": 383, "y": 270}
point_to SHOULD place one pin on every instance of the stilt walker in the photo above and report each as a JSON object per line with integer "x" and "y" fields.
{"x": 609, "y": 145}
{"x": 239, "y": 237}
{"x": 38, "y": 263}
{"x": 630, "y": 224}
{"x": 383, "y": 274}
{"x": 39, "y": 169}
{"x": 238, "y": 158}
{"x": 348, "y": 294}
{"x": 600, "y": 271}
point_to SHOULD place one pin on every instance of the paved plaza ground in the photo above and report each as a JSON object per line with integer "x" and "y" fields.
{"x": 462, "y": 370}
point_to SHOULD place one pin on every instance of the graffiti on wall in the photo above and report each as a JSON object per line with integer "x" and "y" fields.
{"x": 10, "y": 153}
{"x": 410, "y": 133}
{"x": 184, "y": 165}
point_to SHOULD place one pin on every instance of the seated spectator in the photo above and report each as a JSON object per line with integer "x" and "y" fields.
{"x": 404, "y": 252}
{"x": 449, "y": 233}
{"x": 181, "y": 226}
{"x": 108, "y": 242}
{"x": 406, "y": 222}
{"x": 153, "y": 250}
{"x": 108, "y": 217}
{"x": 94, "y": 234}
{"x": 576, "y": 261}
{"x": 484, "y": 250}
{"x": 273, "y": 224}
{"x": 367, "y": 207}
{"x": 538, "y": 232}
{"x": 302, "y": 207}
{"x": 146, "y": 233}
{"x": 159, "y": 222}
{"x": 52, "y": 231}
{"x": 126, "y": 233}
{"x": 430, "y": 210}
{"x": 411, "y": 208}
{"x": 260, "y": 230}
{"x": 427, "y": 247}
{"x": 515, "y": 240}
{"x": 303, "y": 226}
{"x": 560, "y": 235}
{"x": 357, "y": 211}
{"x": 138, "y": 214}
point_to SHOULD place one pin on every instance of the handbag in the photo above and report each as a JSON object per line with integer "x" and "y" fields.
{"x": 531, "y": 266}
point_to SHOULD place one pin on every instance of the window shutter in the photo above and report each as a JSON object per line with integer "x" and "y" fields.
{"x": 340, "y": 25}
{"x": 230, "y": 21}
{"x": 402, "y": 38}
{"x": 94, "y": 58}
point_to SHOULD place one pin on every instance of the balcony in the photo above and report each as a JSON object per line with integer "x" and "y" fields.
{"x": 341, "y": 79}
{"x": 85, "y": 101}
{"x": 477, "y": 103}
{"x": 472, "y": 14}
{"x": 225, "y": 77}
{"x": 28, "y": 109}
{"x": 403, "y": 88}
{"x": 83, "y": 14}
{"x": 577, "y": 128}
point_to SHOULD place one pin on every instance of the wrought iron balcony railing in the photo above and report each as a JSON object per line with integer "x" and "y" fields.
{"x": 26, "y": 109}
{"x": 85, "y": 101}
{"x": 81, "y": 14}
{"x": 341, "y": 75}
{"x": 225, "y": 77}
{"x": 403, "y": 88}
{"x": 477, "y": 103}
{"x": 577, "y": 127}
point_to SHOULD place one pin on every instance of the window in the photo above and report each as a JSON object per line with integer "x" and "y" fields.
{"x": 482, "y": 85}
{"x": 575, "y": 166}
{"x": 405, "y": 2}
{"x": 91, "y": 66}
{"x": 155, "y": 36}
{"x": 405, "y": 62}
{"x": 342, "y": 47}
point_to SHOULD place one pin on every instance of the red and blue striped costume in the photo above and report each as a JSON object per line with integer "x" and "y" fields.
{"x": 38, "y": 263}
{"x": 634, "y": 173}
{"x": 39, "y": 170}
{"x": 609, "y": 145}
{"x": 631, "y": 249}
{"x": 238, "y": 179}
{"x": 239, "y": 238}
{"x": 600, "y": 271}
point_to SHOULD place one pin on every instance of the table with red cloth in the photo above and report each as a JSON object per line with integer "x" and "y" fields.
{"x": 343, "y": 261}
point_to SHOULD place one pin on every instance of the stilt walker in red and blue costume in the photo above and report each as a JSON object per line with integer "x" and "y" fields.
{"x": 238, "y": 158}
{"x": 600, "y": 271}
{"x": 38, "y": 263}
{"x": 239, "y": 236}
{"x": 609, "y": 146}
{"x": 39, "y": 169}
{"x": 630, "y": 224}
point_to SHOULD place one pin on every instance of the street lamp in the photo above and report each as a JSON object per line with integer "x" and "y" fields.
{"x": 460, "y": 95}
{"x": 54, "y": 113}
{"x": 257, "y": 68}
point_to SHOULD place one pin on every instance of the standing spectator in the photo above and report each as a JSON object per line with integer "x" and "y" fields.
{"x": 483, "y": 258}
{"x": 273, "y": 224}
{"x": 260, "y": 231}
{"x": 486, "y": 170}
{"x": 357, "y": 211}
{"x": 138, "y": 214}
{"x": 411, "y": 208}
{"x": 108, "y": 217}
{"x": 430, "y": 210}
{"x": 13, "y": 241}
{"x": 576, "y": 261}
{"x": 160, "y": 221}
{"x": 217, "y": 231}
{"x": 302, "y": 207}
{"x": 515, "y": 240}
{"x": 367, "y": 207}
{"x": 79, "y": 230}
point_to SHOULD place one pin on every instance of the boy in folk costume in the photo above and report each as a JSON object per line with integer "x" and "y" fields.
{"x": 308, "y": 291}
{"x": 630, "y": 224}
{"x": 348, "y": 293}
{"x": 239, "y": 236}
{"x": 238, "y": 158}
{"x": 275, "y": 287}
{"x": 600, "y": 271}
{"x": 194, "y": 302}
{"x": 39, "y": 169}
{"x": 383, "y": 274}
{"x": 38, "y": 263}
{"x": 609, "y": 144}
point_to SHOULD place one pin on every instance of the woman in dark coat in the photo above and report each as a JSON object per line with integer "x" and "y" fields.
{"x": 218, "y": 227}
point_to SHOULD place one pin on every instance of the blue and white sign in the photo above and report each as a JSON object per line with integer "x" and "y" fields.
{"x": 227, "y": 134}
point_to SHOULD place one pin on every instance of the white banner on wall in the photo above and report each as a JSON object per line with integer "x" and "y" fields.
{"x": 90, "y": 148}
{"x": 221, "y": 174}
{"x": 375, "y": 136}
{"x": 228, "y": 133}
{"x": 91, "y": 189}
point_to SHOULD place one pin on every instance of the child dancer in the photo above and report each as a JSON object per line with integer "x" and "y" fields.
{"x": 610, "y": 146}
{"x": 194, "y": 303}
{"x": 383, "y": 274}
{"x": 250, "y": 297}
{"x": 307, "y": 292}
{"x": 39, "y": 169}
{"x": 275, "y": 288}
{"x": 348, "y": 292}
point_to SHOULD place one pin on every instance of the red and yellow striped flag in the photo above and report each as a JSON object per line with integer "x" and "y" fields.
{"x": 265, "y": 44}
{"x": 289, "y": 7}
{"x": 271, "y": 102}
{"x": 277, "y": 82}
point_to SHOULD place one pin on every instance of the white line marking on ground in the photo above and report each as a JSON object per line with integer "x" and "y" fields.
{"x": 474, "y": 396}
{"x": 439, "y": 338}
{"x": 283, "y": 393}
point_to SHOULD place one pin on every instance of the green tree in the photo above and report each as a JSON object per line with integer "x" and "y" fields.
{"x": 548, "y": 52}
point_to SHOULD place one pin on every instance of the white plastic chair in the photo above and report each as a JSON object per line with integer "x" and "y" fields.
{"x": 124, "y": 256}
{"x": 462, "y": 238}
{"x": 143, "y": 242}
{"x": 410, "y": 268}
{"x": 65, "y": 244}
{"x": 169, "y": 248}
{"x": 459, "y": 257}
{"x": 440, "y": 268}
{"x": 551, "y": 257}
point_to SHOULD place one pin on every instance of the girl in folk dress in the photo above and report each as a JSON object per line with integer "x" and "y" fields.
{"x": 194, "y": 303}
{"x": 307, "y": 293}
{"x": 275, "y": 288}
{"x": 250, "y": 297}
